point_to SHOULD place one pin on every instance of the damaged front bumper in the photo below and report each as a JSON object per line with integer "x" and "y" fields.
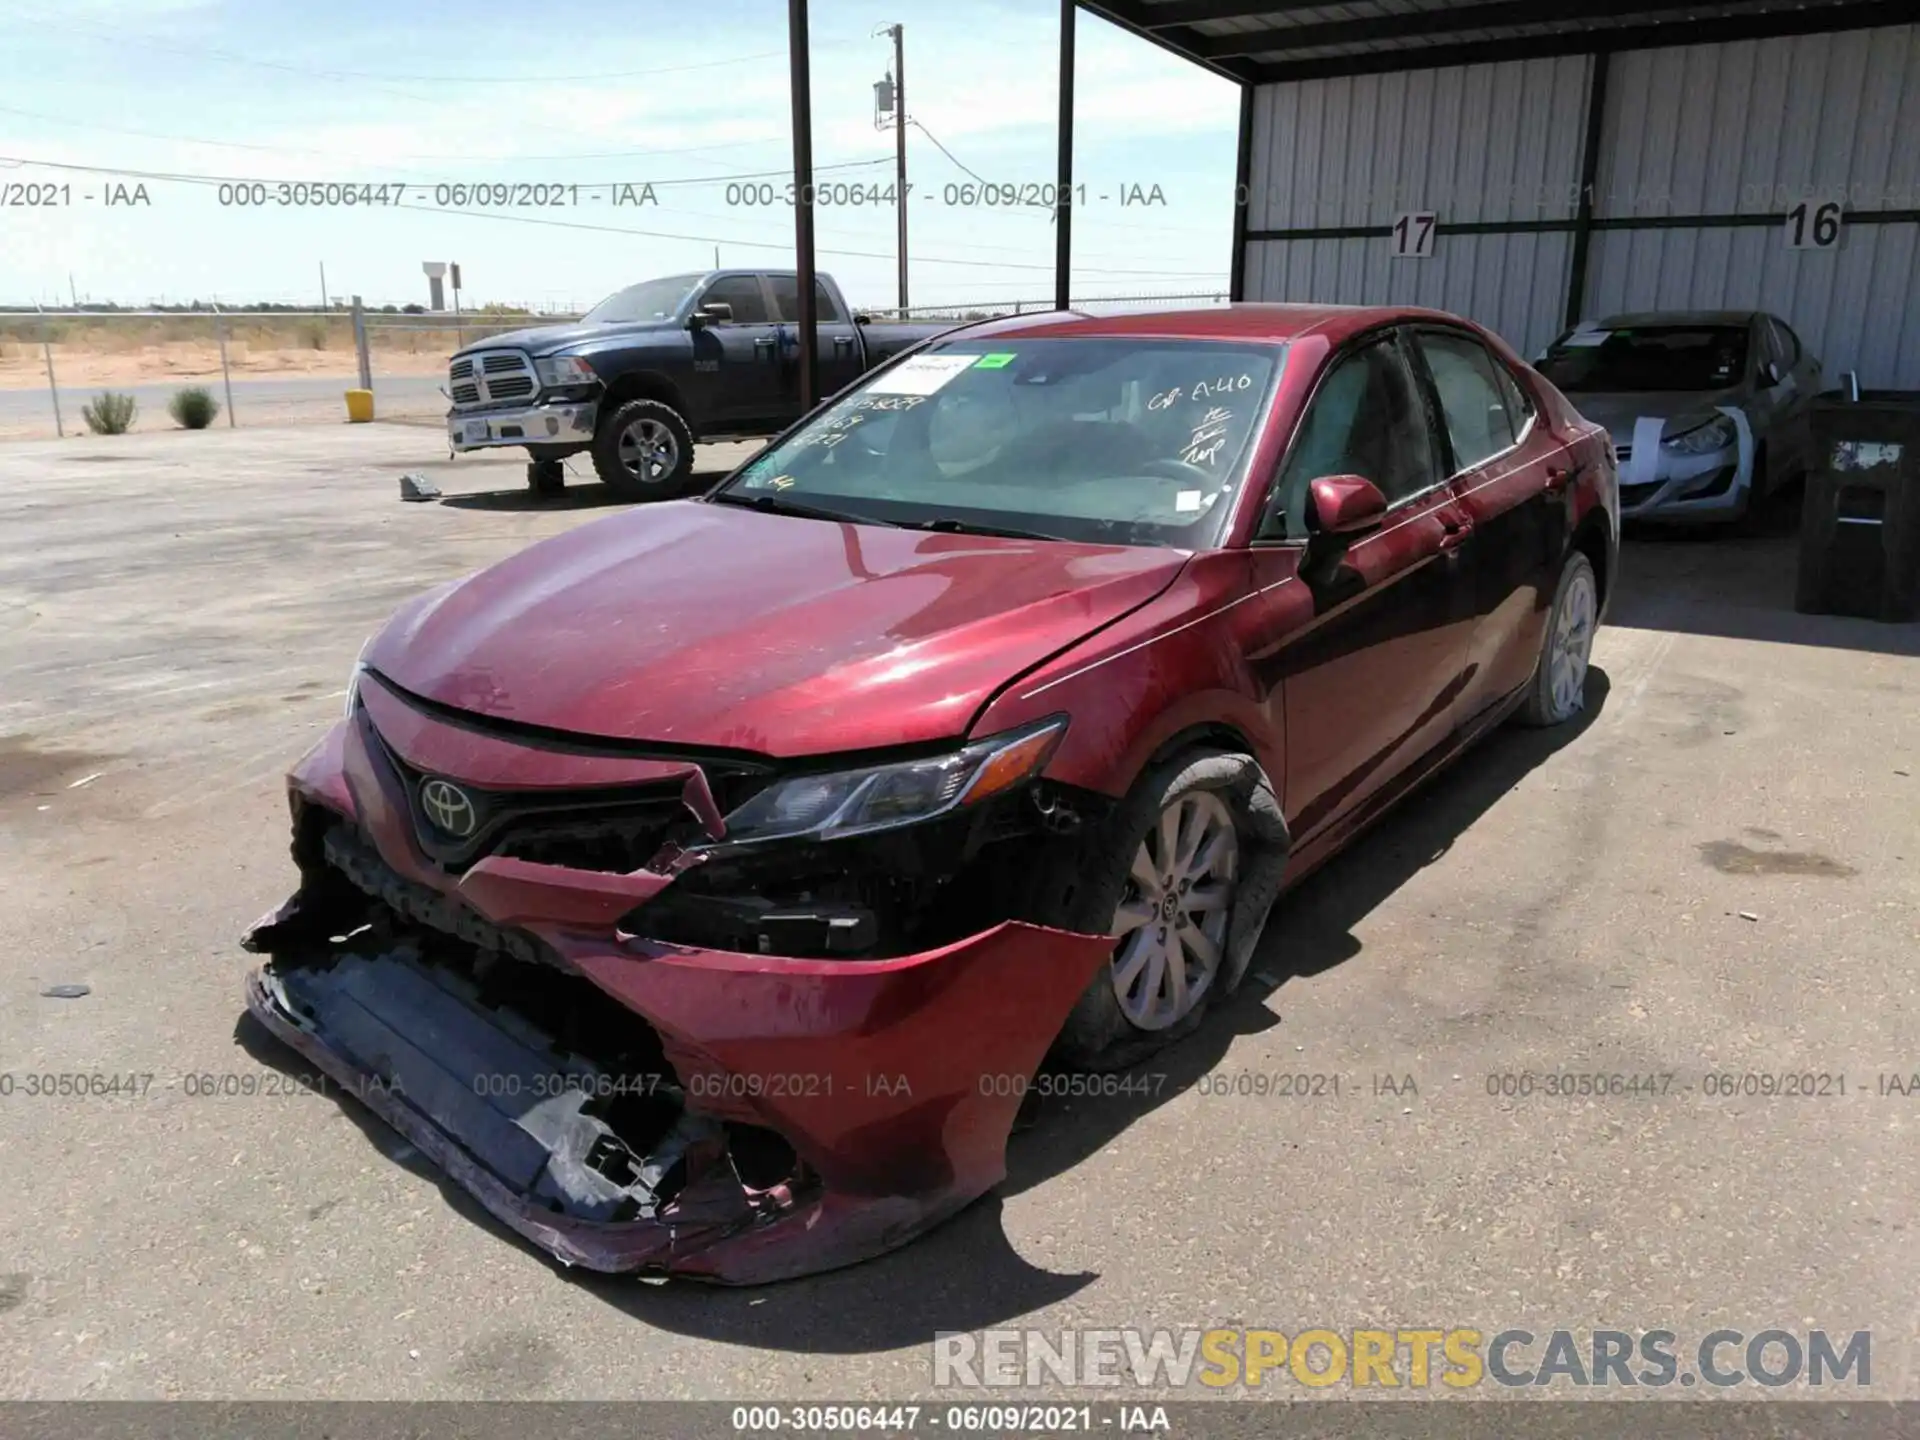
{"x": 629, "y": 1104}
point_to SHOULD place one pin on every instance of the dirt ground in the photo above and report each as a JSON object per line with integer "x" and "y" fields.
{"x": 24, "y": 367}
{"x": 1711, "y": 875}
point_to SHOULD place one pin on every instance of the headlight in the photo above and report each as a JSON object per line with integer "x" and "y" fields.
{"x": 353, "y": 678}
{"x": 564, "y": 370}
{"x": 1704, "y": 438}
{"x": 854, "y": 802}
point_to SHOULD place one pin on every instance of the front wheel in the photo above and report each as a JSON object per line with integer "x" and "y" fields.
{"x": 1162, "y": 876}
{"x": 1558, "y": 690}
{"x": 643, "y": 451}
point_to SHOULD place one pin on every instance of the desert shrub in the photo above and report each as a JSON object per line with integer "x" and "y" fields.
{"x": 313, "y": 334}
{"x": 193, "y": 408}
{"x": 111, "y": 413}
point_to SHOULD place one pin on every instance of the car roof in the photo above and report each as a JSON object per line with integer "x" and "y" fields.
{"x": 1259, "y": 323}
{"x": 1643, "y": 318}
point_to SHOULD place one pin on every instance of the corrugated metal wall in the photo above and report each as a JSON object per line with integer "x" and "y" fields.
{"x": 1751, "y": 129}
{"x": 1472, "y": 143}
{"x": 1744, "y": 128}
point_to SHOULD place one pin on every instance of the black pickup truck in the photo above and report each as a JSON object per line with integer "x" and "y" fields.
{"x": 655, "y": 368}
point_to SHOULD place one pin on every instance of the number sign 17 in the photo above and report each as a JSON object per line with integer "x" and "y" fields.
{"x": 1811, "y": 227}
{"x": 1413, "y": 234}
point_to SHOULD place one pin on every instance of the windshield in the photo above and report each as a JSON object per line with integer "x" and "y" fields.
{"x": 649, "y": 300}
{"x": 1107, "y": 440}
{"x": 1647, "y": 357}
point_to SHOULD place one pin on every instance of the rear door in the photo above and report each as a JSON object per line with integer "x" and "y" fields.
{"x": 1512, "y": 479}
{"x": 839, "y": 340}
{"x": 1366, "y": 687}
{"x": 737, "y": 379}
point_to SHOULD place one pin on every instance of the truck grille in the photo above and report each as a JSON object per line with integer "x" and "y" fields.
{"x": 490, "y": 377}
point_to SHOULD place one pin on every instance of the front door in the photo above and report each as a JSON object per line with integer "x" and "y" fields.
{"x": 1365, "y": 669}
{"x": 737, "y": 380}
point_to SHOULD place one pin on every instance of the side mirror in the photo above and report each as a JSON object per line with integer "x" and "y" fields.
{"x": 714, "y": 312}
{"x": 863, "y": 319}
{"x": 1344, "y": 505}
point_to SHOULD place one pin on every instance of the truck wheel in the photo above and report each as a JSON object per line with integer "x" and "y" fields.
{"x": 546, "y": 477}
{"x": 643, "y": 451}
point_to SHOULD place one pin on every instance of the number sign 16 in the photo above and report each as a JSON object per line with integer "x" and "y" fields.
{"x": 1413, "y": 234}
{"x": 1813, "y": 227}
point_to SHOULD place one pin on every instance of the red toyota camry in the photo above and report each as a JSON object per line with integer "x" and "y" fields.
{"x": 701, "y": 886}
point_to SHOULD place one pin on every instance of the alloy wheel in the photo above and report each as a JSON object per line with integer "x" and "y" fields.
{"x": 1570, "y": 645}
{"x": 649, "y": 451}
{"x": 1172, "y": 921}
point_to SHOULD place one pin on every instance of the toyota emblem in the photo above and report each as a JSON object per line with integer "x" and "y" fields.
{"x": 450, "y": 808}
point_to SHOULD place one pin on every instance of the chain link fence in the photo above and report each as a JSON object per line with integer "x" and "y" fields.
{"x": 295, "y": 366}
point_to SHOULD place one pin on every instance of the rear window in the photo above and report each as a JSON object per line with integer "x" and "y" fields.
{"x": 1596, "y": 359}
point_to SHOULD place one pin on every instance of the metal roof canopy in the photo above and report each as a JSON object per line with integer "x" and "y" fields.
{"x": 1269, "y": 41}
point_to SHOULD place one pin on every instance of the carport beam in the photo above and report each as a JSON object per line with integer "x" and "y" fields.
{"x": 1063, "y": 188}
{"x": 1589, "y": 177}
{"x": 803, "y": 195}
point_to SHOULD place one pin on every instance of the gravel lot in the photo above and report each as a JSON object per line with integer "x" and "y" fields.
{"x": 1717, "y": 871}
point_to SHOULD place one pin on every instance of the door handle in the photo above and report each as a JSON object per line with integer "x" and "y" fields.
{"x": 1454, "y": 533}
{"x": 1558, "y": 478}
{"x": 764, "y": 342}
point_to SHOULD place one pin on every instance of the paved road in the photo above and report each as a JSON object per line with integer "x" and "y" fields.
{"x": 1718, "y": 871}
{"x": 254, "y": 401}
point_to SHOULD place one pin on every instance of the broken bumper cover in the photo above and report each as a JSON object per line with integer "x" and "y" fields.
{"x": 895, "y": 1082}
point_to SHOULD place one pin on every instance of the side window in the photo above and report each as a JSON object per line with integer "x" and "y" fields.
{"x": 1520, "y": 403}
{"x": 1786, "y": 343}
{"x": 786, "y": 299}
{"x": 1365, "y": 418}
{"x": 742, "y": 292}
{"x": 1471, "y": 399}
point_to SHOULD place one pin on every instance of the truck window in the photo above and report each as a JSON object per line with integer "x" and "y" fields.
{"x": 786, "y": 297}
{"x": 743, "y": 293}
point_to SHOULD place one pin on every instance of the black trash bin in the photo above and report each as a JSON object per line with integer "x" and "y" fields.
{"x": 1860, "y": 530}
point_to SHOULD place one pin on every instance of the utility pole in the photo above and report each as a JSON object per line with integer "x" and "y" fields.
{"x": 323, "y": 286}
{"x": 891, "y": 95}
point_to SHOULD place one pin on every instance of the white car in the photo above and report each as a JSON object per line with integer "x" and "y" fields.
{"x": 1707, "y": 408}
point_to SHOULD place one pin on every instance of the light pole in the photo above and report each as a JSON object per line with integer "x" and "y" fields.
{"x": 890, "y": 97}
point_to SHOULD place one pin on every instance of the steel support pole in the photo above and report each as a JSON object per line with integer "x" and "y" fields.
{"x": 803, "y": 196}
{"x": 1063, "y": 191}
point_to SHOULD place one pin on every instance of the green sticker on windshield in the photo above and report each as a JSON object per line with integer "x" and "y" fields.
{"x": 993, "y": 362}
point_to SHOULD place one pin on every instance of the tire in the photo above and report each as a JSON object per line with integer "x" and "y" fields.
{"x": 643, "y": 451}
{"x": 1556, "y": 693}
{"x": 1115, "y": 879}
{"x": 546, "y": 477}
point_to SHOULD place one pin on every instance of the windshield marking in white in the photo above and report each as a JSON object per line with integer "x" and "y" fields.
{"x": 1224, "y": 385}
{"x": 1203, "y": 448}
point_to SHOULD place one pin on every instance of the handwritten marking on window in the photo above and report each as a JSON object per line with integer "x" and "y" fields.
{"x": 1162, "y": 402}
{"x": 1224, "y": 385}
{"x": 1203, "y": 447}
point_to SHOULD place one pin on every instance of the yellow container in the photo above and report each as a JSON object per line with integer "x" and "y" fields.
{"x": 359, "y": 406}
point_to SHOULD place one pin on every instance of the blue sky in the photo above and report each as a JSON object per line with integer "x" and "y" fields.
{"x": 429, "y": 92}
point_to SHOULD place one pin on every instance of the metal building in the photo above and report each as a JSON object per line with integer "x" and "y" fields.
{"x": 1532, "y": 163}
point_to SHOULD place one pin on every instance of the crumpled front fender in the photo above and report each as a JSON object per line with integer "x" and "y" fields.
{"x": 895, "y": 1081}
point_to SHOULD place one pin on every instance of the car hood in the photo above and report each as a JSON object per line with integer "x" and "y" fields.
{"x": 550, "y": 339}
{"x": 1619, "y": 412}
{"x": 695, "y": 624}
